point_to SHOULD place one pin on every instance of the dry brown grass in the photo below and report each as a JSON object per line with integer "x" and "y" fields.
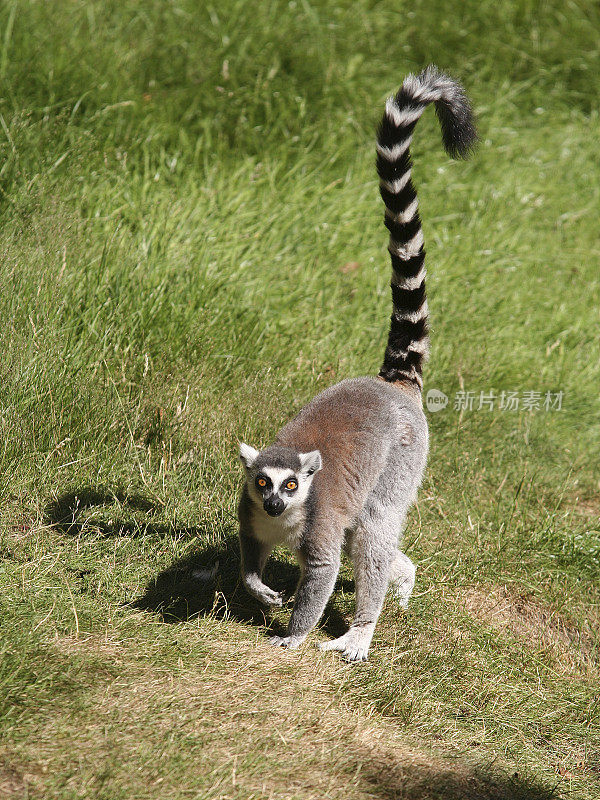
{"x": 258, "y": 722}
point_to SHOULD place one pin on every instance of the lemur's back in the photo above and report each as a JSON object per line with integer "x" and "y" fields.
{"x": 362, "y": 427}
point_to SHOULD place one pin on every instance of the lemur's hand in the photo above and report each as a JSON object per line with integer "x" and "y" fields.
{"x": 262, "y": 592}
{"x": 269, "y": 597}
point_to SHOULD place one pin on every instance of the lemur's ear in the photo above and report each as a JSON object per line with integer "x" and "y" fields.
{"x": 248, "y": 455}
{"x": 310, "y": 462}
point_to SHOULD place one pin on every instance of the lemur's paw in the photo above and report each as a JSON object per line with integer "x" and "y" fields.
{"x": 269, "y": 597}
{"x": 349, "y": 647}
{"x": 285, "y": 641}
{"x": 355, "y": 654}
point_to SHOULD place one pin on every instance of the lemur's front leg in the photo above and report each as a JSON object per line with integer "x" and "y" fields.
{"x": 254, "y": 557}
{"x": 319, "y": 572}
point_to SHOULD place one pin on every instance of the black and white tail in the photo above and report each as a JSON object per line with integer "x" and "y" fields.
{"x": 408, "y": 341}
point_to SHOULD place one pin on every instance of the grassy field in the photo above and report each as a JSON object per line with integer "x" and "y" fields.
{"x": 191, "y": 247}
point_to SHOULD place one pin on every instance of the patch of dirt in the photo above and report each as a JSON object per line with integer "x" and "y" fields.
{"x": 349, "y": 266}
{"x": 13, "y": 782}
{"x": 520, "y": 614}
{"x": 588, "y": 507}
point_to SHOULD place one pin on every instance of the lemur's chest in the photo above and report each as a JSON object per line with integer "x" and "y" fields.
{"x": 285, "y": 529}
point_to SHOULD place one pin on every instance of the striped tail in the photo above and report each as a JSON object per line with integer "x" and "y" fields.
{"x": 408, "y": 342}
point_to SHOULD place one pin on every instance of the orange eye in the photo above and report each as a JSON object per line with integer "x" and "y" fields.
{"x": 291, "y": 485}
{"x": 262, "y": 483}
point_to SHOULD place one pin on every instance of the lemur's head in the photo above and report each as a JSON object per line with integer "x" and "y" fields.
{"x": 279, "y": 478}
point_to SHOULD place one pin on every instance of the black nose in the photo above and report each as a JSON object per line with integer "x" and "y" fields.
{"x": 273, "y": 506}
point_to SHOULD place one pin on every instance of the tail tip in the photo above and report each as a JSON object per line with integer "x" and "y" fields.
{"x": 459, "y": 134}
{"x": 454, "y": 112}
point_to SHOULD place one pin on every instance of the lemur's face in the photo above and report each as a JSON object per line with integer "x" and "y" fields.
{"x": 279, "y": 478}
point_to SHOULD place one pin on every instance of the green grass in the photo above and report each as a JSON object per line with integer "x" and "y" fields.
{"x": 181, "y": 189}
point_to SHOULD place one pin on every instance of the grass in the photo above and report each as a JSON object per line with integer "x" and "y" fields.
{"x": 191, "y": 247}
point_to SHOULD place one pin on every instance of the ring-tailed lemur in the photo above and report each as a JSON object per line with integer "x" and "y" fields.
{"x": 345, "y": 471}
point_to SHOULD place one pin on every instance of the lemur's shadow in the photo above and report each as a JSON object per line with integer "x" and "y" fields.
{"x": 65, "y": 513}
{"x": 207, "y": 581}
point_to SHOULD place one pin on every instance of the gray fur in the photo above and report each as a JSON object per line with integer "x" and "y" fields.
{"x": 372, "y": 438}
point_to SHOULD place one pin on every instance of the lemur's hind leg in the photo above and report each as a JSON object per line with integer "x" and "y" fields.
{"x": 372, "y": 550}
{"x": 402, "y": 577}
